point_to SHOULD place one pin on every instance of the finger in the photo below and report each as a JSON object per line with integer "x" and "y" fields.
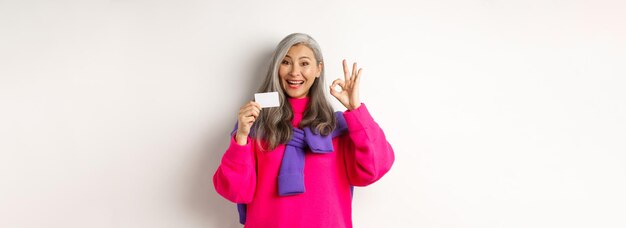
{"x": 253, "y": 104}
{"x": 358, "y": 77}
{"x": 249, "y": 112}
{"x": 242, "y": 112}
{"x": 335, "y": 93}
{"x": 346, "y": 74}
{"x": 353, "y": 73}
{"x": 246, "y": 106}
{"x": 253, "y": 112}
{"x": 332, "y": 91}
{"x": 333, "y": 87}
{"x": 256, "y": 105}
{"x": 246, "y": 109}
{"x": 249, "y": 120}
{"x": 339, "y": 82}
{"x": 243, "y": 107}
{"x": 256, "y": 112}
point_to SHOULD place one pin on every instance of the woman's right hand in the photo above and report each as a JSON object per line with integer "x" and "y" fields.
{"x": 247, "y": 115}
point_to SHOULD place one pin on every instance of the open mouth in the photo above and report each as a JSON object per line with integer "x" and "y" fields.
{"x": 294, "y": 84}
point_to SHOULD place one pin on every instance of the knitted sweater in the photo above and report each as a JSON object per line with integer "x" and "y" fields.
{"x": 249, "y": 175}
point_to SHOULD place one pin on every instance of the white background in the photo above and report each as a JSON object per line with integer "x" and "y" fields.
{"x": 501, "y": 113}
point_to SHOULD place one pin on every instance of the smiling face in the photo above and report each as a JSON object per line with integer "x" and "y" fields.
{"x": 298, "y": 70}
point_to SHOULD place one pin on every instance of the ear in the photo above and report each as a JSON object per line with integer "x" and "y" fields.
{"x": 320, "y": 66}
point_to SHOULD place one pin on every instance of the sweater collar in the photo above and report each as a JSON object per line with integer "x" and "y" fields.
{"x": 298, "y": 105}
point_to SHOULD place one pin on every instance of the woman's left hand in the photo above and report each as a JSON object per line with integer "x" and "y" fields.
{"x": 349, "y": 94}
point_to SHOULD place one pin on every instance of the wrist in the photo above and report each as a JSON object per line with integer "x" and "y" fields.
{"x": 241, "y": 139}
{"x": 355, "y": 106}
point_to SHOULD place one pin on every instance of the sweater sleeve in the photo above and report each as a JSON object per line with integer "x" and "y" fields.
{"x": 235, "y": 178}
{"x": 368, "y": 155}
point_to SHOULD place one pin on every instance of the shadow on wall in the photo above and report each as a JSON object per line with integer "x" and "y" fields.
{"x": 203, "y": 201}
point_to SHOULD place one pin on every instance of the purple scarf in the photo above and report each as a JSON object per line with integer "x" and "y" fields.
{"x": 291, "y": 175}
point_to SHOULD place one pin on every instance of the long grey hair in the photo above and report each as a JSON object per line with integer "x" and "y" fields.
{"x": 273, "y": 126}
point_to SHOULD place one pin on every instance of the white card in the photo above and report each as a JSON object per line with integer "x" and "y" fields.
{"x": 267, "y": 100}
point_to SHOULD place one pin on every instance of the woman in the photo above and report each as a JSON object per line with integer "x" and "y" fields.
{"x": 264, "y": 170}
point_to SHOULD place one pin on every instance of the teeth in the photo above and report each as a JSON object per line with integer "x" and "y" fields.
{"x": 294, "y": 82}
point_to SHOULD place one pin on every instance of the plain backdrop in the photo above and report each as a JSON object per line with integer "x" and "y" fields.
{"x": 501, "y": 113}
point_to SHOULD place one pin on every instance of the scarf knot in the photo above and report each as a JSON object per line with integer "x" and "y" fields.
{"x": 291, "y": 176}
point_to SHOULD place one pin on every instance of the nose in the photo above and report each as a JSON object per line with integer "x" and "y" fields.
{"x": 294, "y": 70}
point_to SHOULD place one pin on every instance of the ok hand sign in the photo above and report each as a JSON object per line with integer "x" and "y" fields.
{"x": 349, "y": 94}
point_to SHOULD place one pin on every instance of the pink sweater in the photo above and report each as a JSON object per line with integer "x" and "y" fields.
{"x": 249, "y": 175}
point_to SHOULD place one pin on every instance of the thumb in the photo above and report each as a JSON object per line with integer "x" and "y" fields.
{"x": 337, "y": 82}
{"x": 334, "y": 92}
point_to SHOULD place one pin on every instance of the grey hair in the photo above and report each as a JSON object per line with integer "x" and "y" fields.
{"x": 274, "y": 124}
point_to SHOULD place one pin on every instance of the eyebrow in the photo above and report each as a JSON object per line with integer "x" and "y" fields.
{"x": 303, "y": 57}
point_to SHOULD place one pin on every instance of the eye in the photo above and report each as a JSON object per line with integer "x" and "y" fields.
{"x": 305, "y": 63}
{"x": 285, "y": 62}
